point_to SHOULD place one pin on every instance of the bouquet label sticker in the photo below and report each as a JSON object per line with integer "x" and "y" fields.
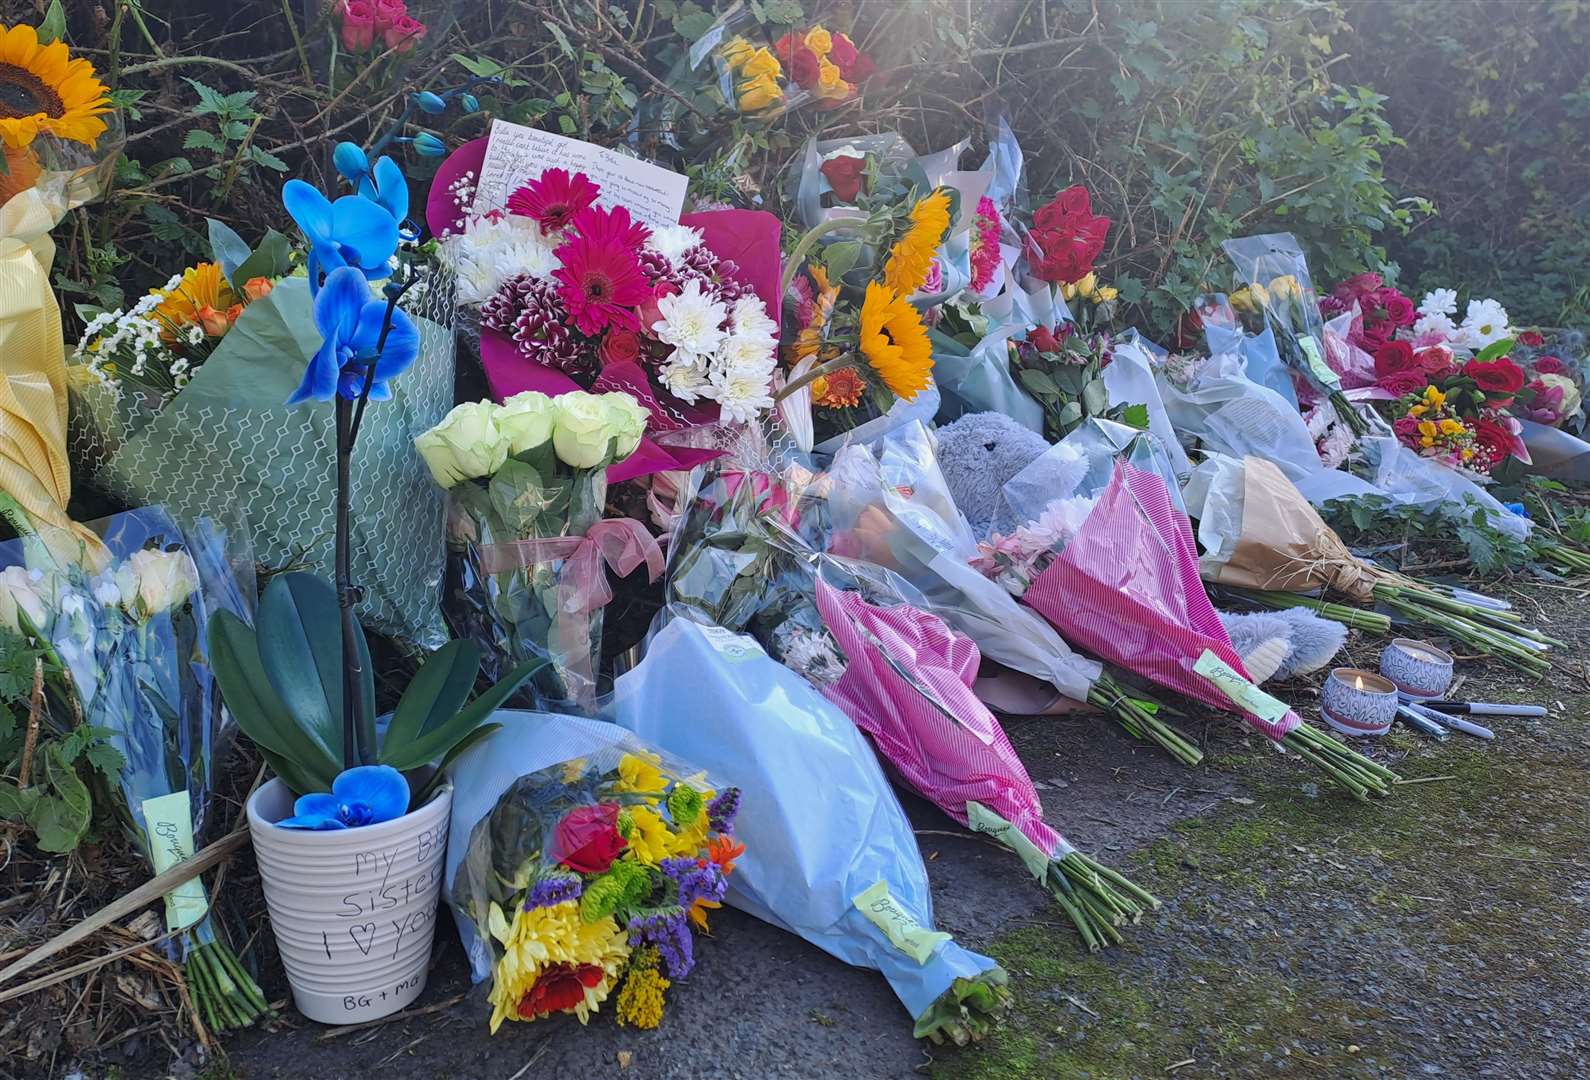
{"x": 1243, "y": 694}
{"x": 984, "y": 820}
{"x": 1316, "y": 363}
{"x": 517, "y": 154}
{"x": 733, "y": 647}
{"x": 170, "y": 826}
{"x": 898, "y": 924}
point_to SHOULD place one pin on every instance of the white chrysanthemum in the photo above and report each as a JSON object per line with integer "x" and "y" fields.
{"x": 747, "y": 355}
{"x": 1484, "y": 322}
{"x": 490, "y": 252}
{"x": 691, "y": 321}
{"x": 1435, "y": 322}
{"x": 685, "y": 378}
{"x": 672, "y": 241}
{"x": 741, "y": 395}
{"x": 1439, "y": 302}
{"x": 749, "y": 317}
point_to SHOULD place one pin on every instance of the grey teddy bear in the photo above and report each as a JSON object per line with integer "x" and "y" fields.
{"x": 980, "y": 452}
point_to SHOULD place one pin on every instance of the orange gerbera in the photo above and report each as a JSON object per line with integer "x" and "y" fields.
{"x": 723, "y": 851}
{"x": 894, "y": 342}
{"x": 44, "y": 91}
{"x": 838, "y": 389}
{"x": 810, "y": 340}
{"x": 202, "y": 296}
{"x": 911, "y": 258}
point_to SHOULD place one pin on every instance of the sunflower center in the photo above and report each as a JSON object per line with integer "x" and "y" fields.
{"x": 23, "y": 93}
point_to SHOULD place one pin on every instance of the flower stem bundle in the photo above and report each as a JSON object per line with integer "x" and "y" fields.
{"x": 1494, "y": 633}
{"x": 1359, "y": 775}
{"x": 1097, "y": 899}
{"x": 1372, "y": 622}
{"x": 1139, "y": 721}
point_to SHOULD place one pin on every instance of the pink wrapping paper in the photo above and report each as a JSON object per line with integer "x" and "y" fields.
{"x": 1126, "y": 588}
{"x": 950, "y": 763}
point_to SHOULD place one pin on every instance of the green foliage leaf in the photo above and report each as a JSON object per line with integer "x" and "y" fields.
{"x": 272, "y": 259}
{"x": 60, "y": 818}
{"x": 692, "y": 20}
{"x": 433, "y": 745}
{"x": 16, "y": 803}
{"x": 437, "y": 692}
{"x": 1135, "y": 416}
{"x": 1494, "y": 351}
{"x": 53, "y": 26}
{"x": 200, "y": 139}
{"x": 226, "y": 247}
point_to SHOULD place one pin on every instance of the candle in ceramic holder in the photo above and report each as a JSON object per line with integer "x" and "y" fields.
{"x": 1358, "y": 702}
{"x": 1419, "y": 669}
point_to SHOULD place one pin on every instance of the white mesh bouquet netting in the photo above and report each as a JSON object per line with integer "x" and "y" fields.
{"x": 227, "y": 440}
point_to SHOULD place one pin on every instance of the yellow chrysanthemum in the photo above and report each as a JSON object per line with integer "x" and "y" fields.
{"x": 539, "y": 939}
{"x": 202, "y": 292}
{"x": 911, "y": 258}
{"x": 649, "y": 838}
{"x": 44, "y": 90}
{"x": 894, "y": 342}
{"x": 641, "y": 773}
{"x": 640, "y": 999}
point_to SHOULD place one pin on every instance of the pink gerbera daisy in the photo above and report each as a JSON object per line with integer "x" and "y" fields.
{"x": 613, "y": 227}
{"x": 600, "y": 283}
{"x": 554, "y": 199}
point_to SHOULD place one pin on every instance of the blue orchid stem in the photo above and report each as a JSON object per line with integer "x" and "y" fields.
{"x": 409, "y": 106}
{"x": 358, "y": 744}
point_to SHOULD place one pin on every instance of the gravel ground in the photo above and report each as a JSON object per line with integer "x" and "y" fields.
{"x": 1444, "y": 932}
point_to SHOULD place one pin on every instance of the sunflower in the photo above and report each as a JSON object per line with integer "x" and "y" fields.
{"x": 202, "y": 292}
{"x": 911, "y": 258}
{"x": 44, "y": 91}
{"x": 894, "y": 342}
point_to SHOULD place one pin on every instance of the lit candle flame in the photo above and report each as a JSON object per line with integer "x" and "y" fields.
{"x": 1358, "y": 682}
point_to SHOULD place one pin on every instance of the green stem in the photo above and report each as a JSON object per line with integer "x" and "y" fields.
{"x": 298, "y": 44}
{"x": 798, "y": 257}
{"x": 828, "y": 367}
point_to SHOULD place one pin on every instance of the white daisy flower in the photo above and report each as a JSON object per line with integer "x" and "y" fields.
{"x": 1437, "y": 323}
{"x": 749, "y": 317}
{"x": 741, "y": 395}
{"x": 691, "y": 322}
{"x": 1439, "y": 302}
{"x": 751, "y": 355}
{"x": 1484, "y": 322}
{"x": 684, "y": 378}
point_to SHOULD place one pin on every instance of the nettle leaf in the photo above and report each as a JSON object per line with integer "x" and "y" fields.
{"x": 266, "y": 158}
{"x": 200, "y": 139}
{"x": 60, "y": 819}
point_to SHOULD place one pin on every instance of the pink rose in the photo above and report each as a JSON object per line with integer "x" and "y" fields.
{"x": 1399, "y": 309}
{"x": 1404, "y": 382}
{"x": 388, "y": 12}
{"x": 358, "y": 26}
{"x": 649, "y": 312}
{"x": 619, "y": 346}
{"x": 404, "y": 34}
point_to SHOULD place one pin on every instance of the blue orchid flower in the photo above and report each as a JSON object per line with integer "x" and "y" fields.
{"x": 349, "y": 232}
{"x": 350, "y": 321}
{"x": 428, "y": 145}
{"x": 430, "y": 102}
{"x": 363, "y": 795}
{"x": 387, "y": 187}
{"x": 351, "y": 161}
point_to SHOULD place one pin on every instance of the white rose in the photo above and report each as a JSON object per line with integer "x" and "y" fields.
{"x": 165, "y": 579}
{"x": 628, "y": 422}
{"x": 583, "y": 433}
{"x": 526, "y": 419}
{"x": 20, "y": 592}
{"x": 467, "y": 444}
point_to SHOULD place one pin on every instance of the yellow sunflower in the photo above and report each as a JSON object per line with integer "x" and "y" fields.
{"x": 894, "y": 342}
{"x": 202, "y": 292}
{"x": 43, "y": 90}
{"x": 911, "y": 258}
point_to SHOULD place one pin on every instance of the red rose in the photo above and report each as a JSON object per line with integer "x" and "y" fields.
{"x": 1358, "y": 285}
{"x": 1550, "y": 365}
{"x": 844, "y": 176}
{"x": 861, "y": 69}
{"x": 784, "y": 48}
{"x": 1436, "y": 361}
{"x": 1403, "y": 383}
{"x": 842, "y": 52}
{"x": 1189, "y": 329}
{"x": 1393, "y": 358}
{"x": 358, "y": 25}
{"x": 1372, "y": 338}
{"x": 1043, "y": 340}
{"x": 649, "y": 312}
{"x": 805, "y": 68}
{"x": 1500, "y": 378}
{"x": 1399, "y": 309}
{"x": 1531, "y": 338}
{"x": 1493, "y": 443}
{"x": 587, "y": 839}
{"x": 619, "y": 346}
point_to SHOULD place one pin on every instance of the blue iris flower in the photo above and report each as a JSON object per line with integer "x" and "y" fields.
{"x": 363, "y": 795}
{"x": 349, "y": 319}
{"x": 349, "y": 232}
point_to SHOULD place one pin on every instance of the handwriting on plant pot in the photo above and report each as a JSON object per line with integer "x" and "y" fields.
{"x": 350, "y": 1002}
{"x": 391, "y": 880}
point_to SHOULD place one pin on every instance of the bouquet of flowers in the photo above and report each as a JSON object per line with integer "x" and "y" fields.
{"x": 1116, "y": 571}
{"x": 1378, "y": 310}
{"x": 1458, "y": 412}
{"x": 830, "y": 853}
{"x": 368, "y": 28}
{"x": 129, "y": 632}
{"x": 812, "y": 64}
{"x": 588, "y": 876}
{"x": 527, "y": 483}
{"x": 1279, "y": 294}
{"x": 896, "y": 670}
{"x": 1554, "y": 360}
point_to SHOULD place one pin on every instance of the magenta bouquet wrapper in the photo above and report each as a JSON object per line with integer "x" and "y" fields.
{"x": 1126, "y": 588}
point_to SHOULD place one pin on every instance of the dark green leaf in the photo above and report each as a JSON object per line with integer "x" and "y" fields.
{"x": 425, "y": 750}
{"x": 52, "y": 27}
{"x": 272, "y": 259}
{"x": 1095, "y": 398}
{"x": 227, "y": 248}
{"x": 16, "y": 803}
{"x": 436, "y": 693}
{"x": 60, "y": 818}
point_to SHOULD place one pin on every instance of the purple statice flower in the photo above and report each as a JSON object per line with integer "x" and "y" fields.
{"x": 550, "y": 891}
{"x": 529, "y": 310}
{"x": 722, "y": 809}
{"x": 697, "y": 880}
{"x": 670, "y": 933}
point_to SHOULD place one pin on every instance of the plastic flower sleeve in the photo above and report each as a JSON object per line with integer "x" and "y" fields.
{"x": 891, "y": 506}
{"x": 1130, "y": 380}
{"x": 573, "y": 843}
{"x": 830, "y": 854}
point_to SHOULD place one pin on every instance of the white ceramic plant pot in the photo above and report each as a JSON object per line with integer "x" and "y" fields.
{"x": 354, "y": 910}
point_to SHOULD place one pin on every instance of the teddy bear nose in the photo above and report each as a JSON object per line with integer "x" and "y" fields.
{"x": 989, "y": 446}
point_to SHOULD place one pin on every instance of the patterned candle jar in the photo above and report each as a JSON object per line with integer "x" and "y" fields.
{"x": 1358, "y": 702}
{"x": 1419, "y": 669}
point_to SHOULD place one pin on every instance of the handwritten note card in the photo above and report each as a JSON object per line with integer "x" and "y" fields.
{"x": 516, "y": 153}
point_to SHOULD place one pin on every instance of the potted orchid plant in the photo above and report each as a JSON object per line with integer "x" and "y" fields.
{"x": 350, "y": 834}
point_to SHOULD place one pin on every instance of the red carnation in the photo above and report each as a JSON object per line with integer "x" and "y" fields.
{"x": 805, "y": 68}
{"x": 1393, "y": 358}
{"x": 1500, "y": 378}
{"x": 844, "y": 176}
{"x": 560, "y": 988}
{"x": 1043, "y": 340}
{"x": 1532, "y": 338}
{"x": 587, "y": 840}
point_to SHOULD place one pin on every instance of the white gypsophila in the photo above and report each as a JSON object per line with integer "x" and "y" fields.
{"x": 692, "y": 322}
{"x": 489, "y": 252}
{"x": 741, "y": 395}
{"x": 685, "y": 378}
{"x": 749, "y": 319}
{"x": 1439, "y": 302}
{"x": 1484, "y": 323}
{"x": 1435, "y": 323}
{"x": 672, "y": 241}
